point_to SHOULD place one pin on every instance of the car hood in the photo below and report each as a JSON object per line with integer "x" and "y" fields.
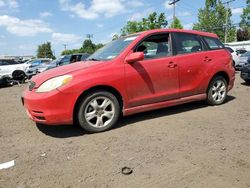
{"x": 63, "y": 70}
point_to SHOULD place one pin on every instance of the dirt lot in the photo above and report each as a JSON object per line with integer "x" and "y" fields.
{"x": 191, "y": 145}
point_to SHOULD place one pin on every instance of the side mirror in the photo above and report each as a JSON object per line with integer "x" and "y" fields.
{"x": 137, "y": 56}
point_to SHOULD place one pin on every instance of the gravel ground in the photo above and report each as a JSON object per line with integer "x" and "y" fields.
{"x": 192, "y": 145}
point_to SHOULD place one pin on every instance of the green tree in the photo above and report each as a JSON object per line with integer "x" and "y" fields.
{"x": 44, "y": 51}
{"x": 176, "y": 24}
{"x": 212, "y": 18}
{"x": 87, "y": 47}
{"x": 153, "y": 21}
{"x": 243, "y": 34}
{"x": 245, "y": 17}
{"x": 68, "y": 52}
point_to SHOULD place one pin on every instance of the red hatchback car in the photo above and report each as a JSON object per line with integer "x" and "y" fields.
{"x": 136, "y": 73}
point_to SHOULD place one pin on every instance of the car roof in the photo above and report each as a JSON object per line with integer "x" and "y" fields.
{"x": 178, "y": 31}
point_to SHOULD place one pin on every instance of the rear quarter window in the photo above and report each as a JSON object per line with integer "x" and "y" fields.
{"x": 213, "y": 43}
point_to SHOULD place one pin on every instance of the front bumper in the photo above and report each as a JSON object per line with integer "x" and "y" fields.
{"x": 52, "y": 108}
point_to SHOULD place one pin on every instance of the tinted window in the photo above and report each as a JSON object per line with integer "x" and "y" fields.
{"x": 246, "y": 54}
{"x": 213, "y": 43}
{"x": 46, "y": 61}
{"x": 8, "y": 62}
{"x": 155, "y": 46}
{"x": 240, "y": 51}
{"x": 187, "y": 43}
{"x": 65, "y": 60}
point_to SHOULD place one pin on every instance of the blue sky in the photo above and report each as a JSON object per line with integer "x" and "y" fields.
{"x": 24, "y": 24}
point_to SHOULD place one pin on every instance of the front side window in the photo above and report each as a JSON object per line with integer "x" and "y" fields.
{"x": 213, "y": 43}
{"x": 155, "y": 46}
{"x": 187, "y": 43}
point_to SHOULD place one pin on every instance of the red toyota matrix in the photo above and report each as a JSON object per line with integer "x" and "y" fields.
{"x": 140, "y": 72}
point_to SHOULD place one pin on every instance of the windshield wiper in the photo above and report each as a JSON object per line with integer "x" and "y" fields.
{"x": 93, "y": 59}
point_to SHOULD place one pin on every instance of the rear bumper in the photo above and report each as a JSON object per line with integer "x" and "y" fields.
{"x": 52, "y": 108}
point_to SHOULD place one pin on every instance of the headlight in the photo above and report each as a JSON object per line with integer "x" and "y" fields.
{"x": 54, "y": 83}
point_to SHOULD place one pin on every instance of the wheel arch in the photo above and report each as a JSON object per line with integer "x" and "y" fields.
{"x": 222, "y": 74}
{"x": 107, "y": 88}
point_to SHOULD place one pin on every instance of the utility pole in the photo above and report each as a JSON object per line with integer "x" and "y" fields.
{"x": 65, "y": 46}
{"x": 89, "y": 36}
{"x": 227, "y": 14}
{"x": 173, "y": 3}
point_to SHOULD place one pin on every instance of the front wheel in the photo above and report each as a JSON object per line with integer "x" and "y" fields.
{"x": 98, "y": 111}
{"x": 217, "y": 91}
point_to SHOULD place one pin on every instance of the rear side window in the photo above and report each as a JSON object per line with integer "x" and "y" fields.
{"x": 213, "y": 43}
{"x": 187, "y": 43}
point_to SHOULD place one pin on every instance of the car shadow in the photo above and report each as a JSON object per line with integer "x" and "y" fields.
{"x": 61, "y": 131}
{"x": 66, "y": 131}
{"x": 165, "y": 112}
{"x": 245, "y": 84}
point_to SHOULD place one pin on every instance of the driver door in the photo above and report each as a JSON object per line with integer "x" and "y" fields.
{"x": 154, "y": 79}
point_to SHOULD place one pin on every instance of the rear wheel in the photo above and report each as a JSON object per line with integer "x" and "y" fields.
{"x": 217, "y": 91}
{"x": 98, "y": 111}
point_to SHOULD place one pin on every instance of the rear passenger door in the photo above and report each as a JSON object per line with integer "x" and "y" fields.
{"x": 192, "y": 59}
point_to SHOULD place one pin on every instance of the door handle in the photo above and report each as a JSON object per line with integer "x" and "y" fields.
{"x": 172, "y": 65}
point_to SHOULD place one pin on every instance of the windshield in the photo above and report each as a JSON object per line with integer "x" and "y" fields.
{"x": 247, "y": 54}
{"x": 112, "y": 49}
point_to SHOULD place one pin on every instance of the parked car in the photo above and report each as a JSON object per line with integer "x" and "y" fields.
{"x": 244, "y": 58}
{"x": 10, "y": 68}
{"x": 136, "y": 73}
{"x": 240, "y": 52}
{"x": 245, "y": 70}
{"x": 234, "y": 56}
{"x": 64, "y": 60}
{"x": 35, "y": 64}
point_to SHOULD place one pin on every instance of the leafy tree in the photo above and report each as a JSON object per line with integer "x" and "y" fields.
{"x": 245, "y": 17}
{"x": 44, "y": 51}
{"x": 176, "y": 24}
{"x": 68, "y": 52}
{"x": 243, "y": 34}
{"x": 87, "y": 47}
{"x": 212, "y": 19}
{"x": 153, "y": 21}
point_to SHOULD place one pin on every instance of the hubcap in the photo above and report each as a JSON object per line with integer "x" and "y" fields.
{"x": 219, "y": 91}
{"x": 99, "y": 112}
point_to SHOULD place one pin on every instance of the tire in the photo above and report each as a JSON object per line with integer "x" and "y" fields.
{"x": 19, "y": 75}
{"x": 98, "y": 111}
{"x": 217, "y": 91}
